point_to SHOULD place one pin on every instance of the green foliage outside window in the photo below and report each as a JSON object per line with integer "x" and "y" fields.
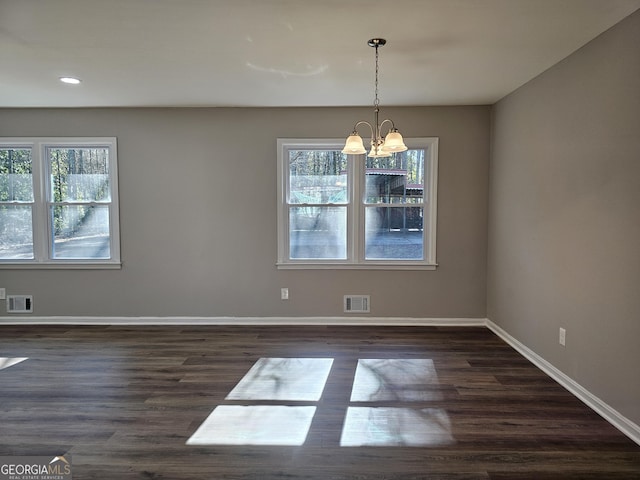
{"x": 16, "y": 182}
{"x": 79, "y": 176}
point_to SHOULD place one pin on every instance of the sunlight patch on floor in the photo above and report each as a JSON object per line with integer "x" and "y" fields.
{"x": 297, "y": 379}
{"x": 403, "y": 380}
{"x": 9, "y": 362}
{"x": 395, "y": 427}
{"x": 255, "y": 425}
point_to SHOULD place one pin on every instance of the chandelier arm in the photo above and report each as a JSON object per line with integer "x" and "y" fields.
{"x": 393, "y": 126}
{"x": 362, "y": 122}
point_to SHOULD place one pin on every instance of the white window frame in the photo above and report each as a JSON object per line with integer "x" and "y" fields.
{"x": 356, "y": 208}
{"x": 41, "y": 223}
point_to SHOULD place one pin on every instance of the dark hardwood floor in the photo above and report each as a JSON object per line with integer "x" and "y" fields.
{"x": 124, "y": 401}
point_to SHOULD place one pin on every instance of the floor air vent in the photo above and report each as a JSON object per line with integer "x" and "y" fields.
{"x": 19, "y": 303}
{"x": 356, "y": 303}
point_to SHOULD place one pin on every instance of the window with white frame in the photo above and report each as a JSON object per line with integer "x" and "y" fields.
{"x": 58, "y": 202}
{"x": 353, "y": 211}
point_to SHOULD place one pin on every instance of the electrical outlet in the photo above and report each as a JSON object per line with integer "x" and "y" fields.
{"x": 284, "y": 293}
{"x": 563, "y": 336}
{"x": 3, "y": 293}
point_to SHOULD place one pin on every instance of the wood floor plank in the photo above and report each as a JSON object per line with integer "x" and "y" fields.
{"x": 124, "y": 401}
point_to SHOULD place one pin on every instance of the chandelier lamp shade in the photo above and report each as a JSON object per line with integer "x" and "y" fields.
{"x": 380, "y": 147}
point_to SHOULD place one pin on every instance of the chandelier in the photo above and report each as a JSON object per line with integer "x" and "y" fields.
{"x": 380, "y": 147}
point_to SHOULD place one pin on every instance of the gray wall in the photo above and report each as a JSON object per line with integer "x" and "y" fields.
{"x": 198, "y": 216}
{"x": 564, "y": 222}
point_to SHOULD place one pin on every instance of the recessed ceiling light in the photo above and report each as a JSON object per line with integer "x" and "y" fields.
{"x": 70, "y": 80}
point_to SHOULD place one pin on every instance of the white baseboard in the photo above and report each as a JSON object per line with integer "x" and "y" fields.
{"x": 615, "y": 418}
{"x": 378, "y": 321}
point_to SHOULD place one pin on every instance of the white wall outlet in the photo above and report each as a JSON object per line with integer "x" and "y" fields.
{"x": 284, "y": 293}
{"x": 3, "y": 293}
{"x": 563, "y": 336}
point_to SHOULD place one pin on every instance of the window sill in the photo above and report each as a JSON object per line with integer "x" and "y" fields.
{"x": 60, "y": 266}
{"x": 357, "y": 266}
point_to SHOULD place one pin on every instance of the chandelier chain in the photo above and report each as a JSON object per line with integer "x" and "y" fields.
{"x": 376, "y": 102}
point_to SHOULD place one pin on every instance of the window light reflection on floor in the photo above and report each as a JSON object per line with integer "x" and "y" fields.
{"x": 304, "y": 379}
{"x": 394, "y": 427}
{"x": 255, "y": 425}
{"x": 8, "y": 362}
{"x": 269, "y": 379}
{"x": 403, "y": 380}
{"x": 296, "y": 379}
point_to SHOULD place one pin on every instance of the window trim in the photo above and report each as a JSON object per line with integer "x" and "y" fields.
{"x": 41, "y": 223}
{"x": 356, "y": 208}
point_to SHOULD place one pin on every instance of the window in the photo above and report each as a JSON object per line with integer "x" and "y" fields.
{"x": 58, "y": 202}
{"x": 339, "y": 211}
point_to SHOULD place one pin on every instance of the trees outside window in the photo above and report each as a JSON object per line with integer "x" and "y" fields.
{"x": 58, "y": 201}
{"x": 354, "y": 211}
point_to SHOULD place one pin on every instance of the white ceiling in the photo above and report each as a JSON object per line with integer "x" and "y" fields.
{"x": 286, "y": 52}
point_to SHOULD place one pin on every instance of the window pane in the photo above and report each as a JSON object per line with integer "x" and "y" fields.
{"x": 318, "y": 233}
{"x": 317, "y": 176}
{"x": 393, "y": 233}
{"x": 16, "y": 182}
{"x": 16, "y": 237}
{"x": 395, "y": 179}
{"x": 81, "y": 231}
{"x": 79, "y": 174}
